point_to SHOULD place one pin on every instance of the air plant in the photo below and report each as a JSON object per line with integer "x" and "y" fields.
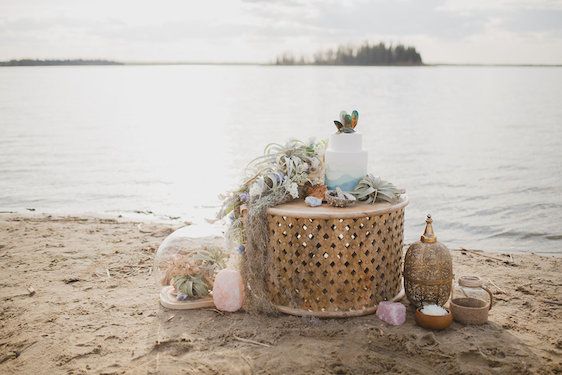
{"x": 282, "y": 173}
{"x": 372, "y": 189}
{"x": 211, "y": 258}
{"x": 295, "y": 160}
{"x": 193, "y": 273}
{"x": 192, "y": 286}
{"x": 281, "y": 169}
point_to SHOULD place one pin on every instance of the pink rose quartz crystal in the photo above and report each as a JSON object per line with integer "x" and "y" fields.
{"x": 392, "y": 312}
{"x": 228, "y": 290}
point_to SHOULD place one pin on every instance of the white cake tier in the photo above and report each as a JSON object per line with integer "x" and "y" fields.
{"x": 345, "y": 169}
{"x": 346, "y": 142}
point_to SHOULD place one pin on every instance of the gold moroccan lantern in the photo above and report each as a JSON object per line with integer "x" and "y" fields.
{"x": 428, "y": 270}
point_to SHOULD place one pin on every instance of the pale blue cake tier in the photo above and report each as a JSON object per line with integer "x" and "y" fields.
{"x": 346, "y": 183}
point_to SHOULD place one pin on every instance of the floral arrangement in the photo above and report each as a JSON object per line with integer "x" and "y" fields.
{"x": 191, "y": 275}
{"x": 284, "y": 172}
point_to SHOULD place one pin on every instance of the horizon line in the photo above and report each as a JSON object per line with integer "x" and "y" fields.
{"x": 248, "y": 63}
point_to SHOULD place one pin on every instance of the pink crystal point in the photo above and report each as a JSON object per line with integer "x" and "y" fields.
{"x": 228, "y": 290}
{"x": 392, "y": 312}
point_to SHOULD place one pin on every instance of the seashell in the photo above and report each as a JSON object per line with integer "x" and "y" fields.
{"x": 279, "y": 177}
{"x": 342, "y": 116}
{"x": 339, "y": 198}
{"x": 318, "y": 191}
{"x": 313, "y": 201}
{"x": 339, "y": 125}
{"x": 354, "y": 118}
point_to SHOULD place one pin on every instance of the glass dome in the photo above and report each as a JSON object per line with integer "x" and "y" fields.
{"x": 185, "y": 265}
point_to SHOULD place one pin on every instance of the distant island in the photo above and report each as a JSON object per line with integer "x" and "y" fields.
{"x": 36, "y": 62}
{"x": 366, "y": 55}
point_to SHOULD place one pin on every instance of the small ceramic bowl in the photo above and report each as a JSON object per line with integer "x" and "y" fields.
{"x": 433, "y": 321}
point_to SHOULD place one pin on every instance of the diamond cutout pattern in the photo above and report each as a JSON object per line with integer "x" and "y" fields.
{"x": 345, "y": 264}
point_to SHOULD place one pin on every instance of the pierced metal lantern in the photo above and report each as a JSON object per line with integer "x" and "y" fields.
{"x": 428, "y": 270}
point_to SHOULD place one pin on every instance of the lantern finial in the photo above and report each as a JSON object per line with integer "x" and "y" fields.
{"x": 428, "y": 235}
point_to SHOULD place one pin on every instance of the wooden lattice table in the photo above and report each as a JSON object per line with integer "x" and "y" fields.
{"x": 334, "y": 262}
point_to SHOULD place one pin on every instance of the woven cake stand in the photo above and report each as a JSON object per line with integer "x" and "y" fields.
{"x": 334, "y": 262}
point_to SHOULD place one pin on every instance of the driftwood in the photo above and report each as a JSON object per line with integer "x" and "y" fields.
{"x": 497, "y": 287}
{"x": 476, "y": 252}
{"x": 30, "y": 292}
{"x": 251, "y": 341}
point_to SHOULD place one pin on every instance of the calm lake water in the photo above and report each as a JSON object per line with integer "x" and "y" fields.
{"x": 480, "y": 148}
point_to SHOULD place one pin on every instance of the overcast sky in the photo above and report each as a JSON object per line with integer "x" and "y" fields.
{"x": 450, "y": 31}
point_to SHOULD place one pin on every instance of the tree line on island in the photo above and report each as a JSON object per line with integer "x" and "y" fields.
{"x": 365, "y": 54}
{"x": 38, "y": 62}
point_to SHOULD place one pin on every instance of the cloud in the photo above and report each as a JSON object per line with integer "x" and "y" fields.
{"x": 499, "y": 5}
{"x": 258, "y": 30}
{"x": 444, "y": 31}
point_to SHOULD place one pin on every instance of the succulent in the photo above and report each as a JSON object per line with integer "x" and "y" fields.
{"x": 373, "y": 189}
{"x": 347, "y": 122}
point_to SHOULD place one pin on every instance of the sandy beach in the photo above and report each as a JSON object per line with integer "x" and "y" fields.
{"x": 78, "y": 298}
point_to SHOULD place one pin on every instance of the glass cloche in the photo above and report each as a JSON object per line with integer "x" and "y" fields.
{"x": 185, "y": 265}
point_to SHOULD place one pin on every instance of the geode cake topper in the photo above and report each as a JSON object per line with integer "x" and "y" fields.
{"x": 347, "y": 122}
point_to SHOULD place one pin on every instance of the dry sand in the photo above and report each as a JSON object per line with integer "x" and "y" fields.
{"x": 92, "y": 307}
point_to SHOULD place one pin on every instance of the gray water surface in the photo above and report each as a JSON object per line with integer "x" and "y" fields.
{"x": 480, "y": 148}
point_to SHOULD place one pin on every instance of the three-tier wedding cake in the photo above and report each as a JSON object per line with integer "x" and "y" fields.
{"x": 346, "y": 161}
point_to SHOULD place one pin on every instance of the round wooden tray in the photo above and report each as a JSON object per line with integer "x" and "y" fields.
{"x": 169, "y": 301}
{"x": 334, "y": 262}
